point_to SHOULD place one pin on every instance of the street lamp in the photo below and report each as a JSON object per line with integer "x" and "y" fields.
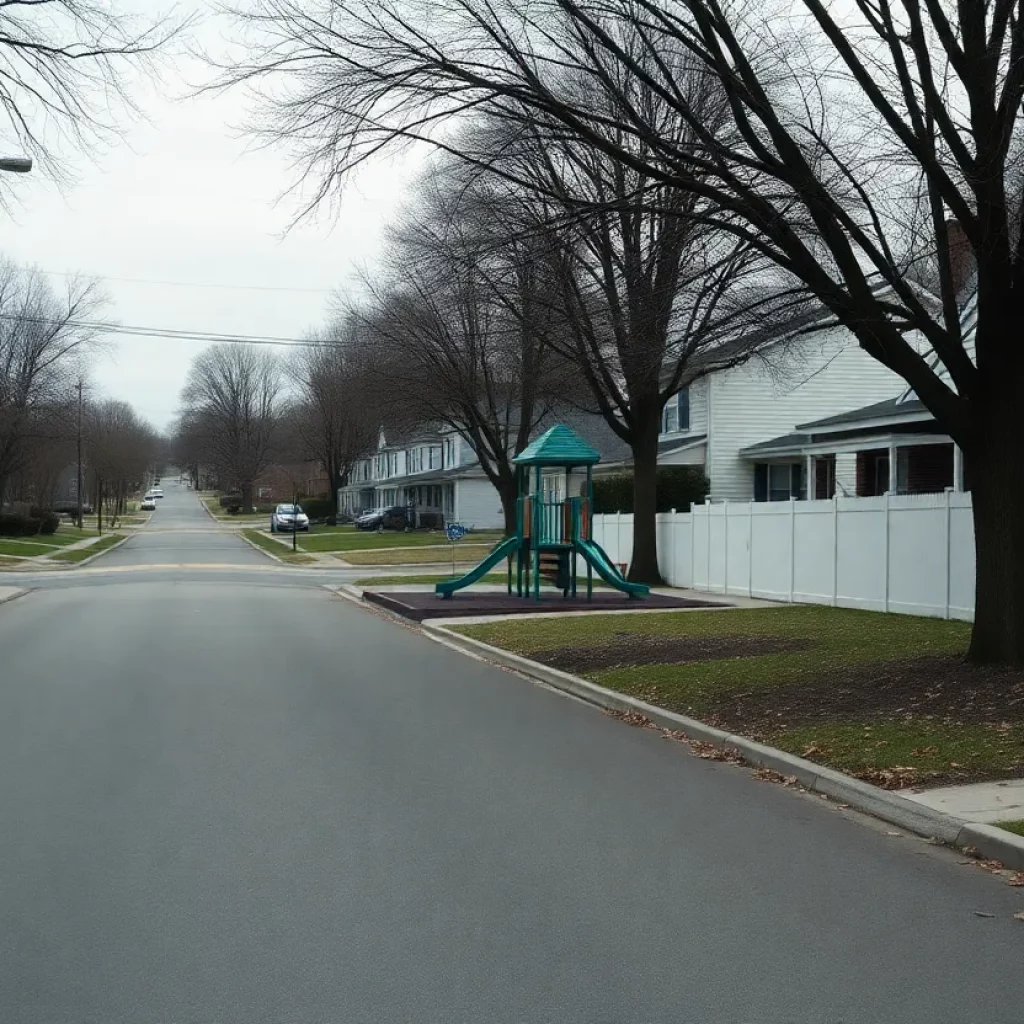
{"x": 16, "y": 164}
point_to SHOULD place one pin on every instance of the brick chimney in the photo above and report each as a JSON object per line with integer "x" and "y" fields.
{"x": 961, "y": 255}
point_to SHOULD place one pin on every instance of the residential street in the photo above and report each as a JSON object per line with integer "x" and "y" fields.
{"x": 230, "y": 797}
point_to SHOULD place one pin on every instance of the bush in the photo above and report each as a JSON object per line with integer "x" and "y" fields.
{"x": 229, "y": 501}
{"x": 17, "y": 524}
{"x": 48, "y": 521}
{"x": 679, "y": 487}
{"x": 317, "y": 508}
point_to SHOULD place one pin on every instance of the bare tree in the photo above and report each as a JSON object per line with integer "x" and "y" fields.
{"x": 455, "y": 323}
{"x": 333, "y": 419}
{"x": 43, "y": 338}
{"x": 120, "y": 448}
{"x": 895, "y": 113}
{"x": 231, "y": 397}
{"x": 65, "y": 73}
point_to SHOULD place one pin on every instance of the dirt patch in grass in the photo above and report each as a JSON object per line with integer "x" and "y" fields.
{"x": 942, "y": 689}
{"x": 631, "y": 649}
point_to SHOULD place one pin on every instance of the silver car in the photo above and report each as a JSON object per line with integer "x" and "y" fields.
{"x": 289, "y": 518}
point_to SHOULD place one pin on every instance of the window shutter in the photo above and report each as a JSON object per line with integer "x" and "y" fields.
{"x": 761, "y": 482}
{"x": 683, "y": 398}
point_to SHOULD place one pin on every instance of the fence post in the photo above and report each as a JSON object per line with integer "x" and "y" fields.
{"x": 693, "y": 545}
{"x": 949, "y": 559}
{"x": 887, "y": 549}
{"x": 707, "y": 582}
{"x": 835, "y": 550}
{"x": 750, "y": 549}
{"x": 725, "y": 544}
{"x": 792, "y": 547}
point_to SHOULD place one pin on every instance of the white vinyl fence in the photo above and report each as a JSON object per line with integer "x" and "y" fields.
{"x": 909, "y": 553}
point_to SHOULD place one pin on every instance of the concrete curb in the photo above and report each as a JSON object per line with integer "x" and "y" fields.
{"x": 992, "y": 843}
{"x": 18, "y": 592}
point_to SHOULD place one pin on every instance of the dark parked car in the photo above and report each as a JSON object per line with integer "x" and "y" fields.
{"x": 394, "y": 518}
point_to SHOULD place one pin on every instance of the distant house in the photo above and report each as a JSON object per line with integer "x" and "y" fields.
{"x": 435, "y": 471}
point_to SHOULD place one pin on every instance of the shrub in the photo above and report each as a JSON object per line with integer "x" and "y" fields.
{"x": 17, "y": 524}
{"x": 317, "y": 508}
{"x": 230, "y": 500}
{"x": 679, "y": 487}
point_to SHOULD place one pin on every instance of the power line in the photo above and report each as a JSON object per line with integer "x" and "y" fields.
{"x": 194, "y": 284}
{"x": 170, "y": 334}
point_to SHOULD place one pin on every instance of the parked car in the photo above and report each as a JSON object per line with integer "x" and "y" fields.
{"x": 394, "y": 518}
{"x": 158, "y": 492}
{"x": 286, "y": 518}
{"x": 148, "y": 504}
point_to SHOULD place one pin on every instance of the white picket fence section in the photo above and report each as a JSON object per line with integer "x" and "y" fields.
{"x": 912, "y": 554}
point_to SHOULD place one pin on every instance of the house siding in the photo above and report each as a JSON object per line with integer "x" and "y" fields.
{"x": 477, "y": 505}
{"x": 789, "y": 384}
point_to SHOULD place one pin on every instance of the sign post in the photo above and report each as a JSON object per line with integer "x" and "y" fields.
{"x": 454, "y": 532}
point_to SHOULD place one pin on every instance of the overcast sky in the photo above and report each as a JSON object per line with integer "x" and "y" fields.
{"x": 183, "y": 201}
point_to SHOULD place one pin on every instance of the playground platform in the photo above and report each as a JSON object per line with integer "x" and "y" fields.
{"x": 421, "y": 605}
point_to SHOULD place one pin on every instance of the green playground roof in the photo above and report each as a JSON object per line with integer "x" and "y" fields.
{"x": 558, "y": 446}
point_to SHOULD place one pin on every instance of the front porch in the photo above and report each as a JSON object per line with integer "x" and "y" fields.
{"x": 895, "y": 450}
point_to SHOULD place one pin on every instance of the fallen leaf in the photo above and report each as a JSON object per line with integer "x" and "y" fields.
{"x": 972, "y": 851}
{"x": 811, "y": 750}
{"x": 1019, "y": 916}
{"x": 894, "y": 834}
{"x": 995, "y": 866}
{"x": 981, "y": 913}
{"x": 1017, "y": 878}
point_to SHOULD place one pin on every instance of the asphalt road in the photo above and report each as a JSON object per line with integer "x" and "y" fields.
{"x": 235, "y": 802}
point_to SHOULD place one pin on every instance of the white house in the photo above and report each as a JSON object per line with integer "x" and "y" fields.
{"x": 432, "y": 470}
{"x": 724, "y": 417}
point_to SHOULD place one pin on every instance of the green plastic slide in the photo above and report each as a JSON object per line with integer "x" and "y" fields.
{"x": 504, "y": 550}
{"x": 602, "y": 564}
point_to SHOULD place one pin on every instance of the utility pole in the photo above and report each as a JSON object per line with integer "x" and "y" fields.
{"x": 79, "y": 488}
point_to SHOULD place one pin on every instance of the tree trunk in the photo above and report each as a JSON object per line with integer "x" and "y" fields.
{"x": 997, "y": 494}
{"x": 246, "y": 492}
{"x": 509, "y": 492}
{"x": 644, "y": 567}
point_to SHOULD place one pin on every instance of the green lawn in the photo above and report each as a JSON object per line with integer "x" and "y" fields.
{"x": 81, "y": 554}
{"x": 387, "y": 581}
{"x": 1016, "y": 827}
{"x": 23, "y": 548}
{"x": 267, "y": 543}
{"x": 885, "y": 697}
{"x": 348, "y": 538}
{"x": 465, "y": 554}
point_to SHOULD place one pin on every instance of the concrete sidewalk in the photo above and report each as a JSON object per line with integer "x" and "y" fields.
{"x": 985, "y": 802}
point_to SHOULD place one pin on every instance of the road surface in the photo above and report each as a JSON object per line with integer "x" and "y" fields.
{"x": 225, "y": 800}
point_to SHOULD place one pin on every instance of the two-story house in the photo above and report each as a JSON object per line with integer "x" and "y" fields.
{"x": 431, "y": 470}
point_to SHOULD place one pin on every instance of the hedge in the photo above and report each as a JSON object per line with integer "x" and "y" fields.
{"x": 17, "y": 524}
{"x": 679, "y": 487}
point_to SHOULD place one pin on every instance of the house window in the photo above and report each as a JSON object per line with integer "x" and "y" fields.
{"x": 434, "y": 456}
{"x": 676, "y": 414}
{"x": 778, "y": 481}
{"x": 449, "y": 452}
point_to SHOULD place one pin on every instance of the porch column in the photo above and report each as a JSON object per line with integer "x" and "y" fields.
{"x": 958, "y": 469}
{"x": 892, "y": 469}
{"x": 810, "y": 485}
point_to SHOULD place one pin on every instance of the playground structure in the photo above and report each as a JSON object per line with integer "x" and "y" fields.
{"x": 552, "y": 533}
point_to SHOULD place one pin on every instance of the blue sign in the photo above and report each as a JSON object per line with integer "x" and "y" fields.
{"x": 455, "y": 531}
